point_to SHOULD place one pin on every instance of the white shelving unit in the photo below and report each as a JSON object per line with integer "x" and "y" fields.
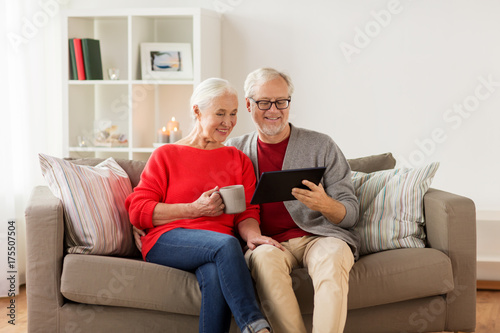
{"x": 138, "y": 107}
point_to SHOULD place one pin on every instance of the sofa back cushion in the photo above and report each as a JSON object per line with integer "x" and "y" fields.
{"x": 131, "y": 167}
{"x": 373, "y": 163}
{"x": 134, "y": 168}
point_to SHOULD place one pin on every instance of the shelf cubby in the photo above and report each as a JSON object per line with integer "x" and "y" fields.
{"x": 137, "y": 107}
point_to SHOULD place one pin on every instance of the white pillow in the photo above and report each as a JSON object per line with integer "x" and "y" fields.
{"x": 391, "y": 213}
{"x": 96, "y": 220}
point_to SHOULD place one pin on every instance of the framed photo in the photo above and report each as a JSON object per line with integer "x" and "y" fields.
{"x": 166, "y": 61}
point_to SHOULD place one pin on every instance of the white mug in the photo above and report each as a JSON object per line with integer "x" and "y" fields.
{"x": 234, "y": 199}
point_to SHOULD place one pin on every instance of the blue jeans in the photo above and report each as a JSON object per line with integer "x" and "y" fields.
{"x": 222, "y": 273}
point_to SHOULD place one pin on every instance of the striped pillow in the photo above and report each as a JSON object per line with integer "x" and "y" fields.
{"x": 96, "y": 221}
{"x": 391, "y": 213}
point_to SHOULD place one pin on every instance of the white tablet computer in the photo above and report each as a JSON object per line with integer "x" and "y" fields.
{"x": 277, "y": 186}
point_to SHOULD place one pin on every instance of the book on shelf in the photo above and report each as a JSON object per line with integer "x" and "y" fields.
{"x": 92, "y": 59}
{"x": 80, "y": 67}
{"x": 85, "y": 59}
{"x": 73, "y": 73}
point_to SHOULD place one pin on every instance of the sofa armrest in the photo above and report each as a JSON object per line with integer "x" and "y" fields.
{"x": 451, "y": 228}
{"x": 45, "y": 246}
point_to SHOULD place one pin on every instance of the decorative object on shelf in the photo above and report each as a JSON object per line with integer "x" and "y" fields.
{"x": 83, "y": 142}
{"x": 113, "y": 73}
{"x": 109, "y": 137}
{"x": 170, "y": 61}
{"x": 175, "y": 135}
{"x": 174, "y": 130}
{"x": 172, "y": 124}
{"x": 162, "y": 136}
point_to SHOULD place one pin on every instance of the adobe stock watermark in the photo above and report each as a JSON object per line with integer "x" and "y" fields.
{"x": 364, "y": 36}
{"x": 30, "y": 27}
{"x": 116, "y": 285}
{"x": 140, "y": 92}
{"x": 120, "y": 105}
{"x": 453, "y": 118}
{"x": 223, "y": 6}
{"x": 421, "y": 318}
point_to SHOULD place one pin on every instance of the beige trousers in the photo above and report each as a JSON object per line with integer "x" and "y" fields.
{"x": 328, "y": 261}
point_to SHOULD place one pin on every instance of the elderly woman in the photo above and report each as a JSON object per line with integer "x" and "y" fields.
{"x": 178, "y": 206}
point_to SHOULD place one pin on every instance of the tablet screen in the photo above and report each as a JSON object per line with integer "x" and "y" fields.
{"x": 277, "y": 186}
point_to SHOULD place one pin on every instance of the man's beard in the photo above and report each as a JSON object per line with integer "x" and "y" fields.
{"x": 272, "y": 130}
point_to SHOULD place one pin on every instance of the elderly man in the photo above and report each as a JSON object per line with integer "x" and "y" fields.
{"x": 316, "y": 230}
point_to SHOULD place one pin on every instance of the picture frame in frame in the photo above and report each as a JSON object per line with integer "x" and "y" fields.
{"x": 166, "y": 61}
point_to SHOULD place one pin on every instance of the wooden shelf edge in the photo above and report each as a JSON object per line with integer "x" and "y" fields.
{"x": 488, "y": 285}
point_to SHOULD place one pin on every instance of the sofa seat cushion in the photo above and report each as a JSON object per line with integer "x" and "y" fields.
{"x": 131, "y": 283}
{"x": 399, "y": 275}
{"x": 387, "y": 277}
{"x": 375, "y": 279}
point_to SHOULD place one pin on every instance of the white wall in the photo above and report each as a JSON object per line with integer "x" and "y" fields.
{"x": 488, "y": 249}
{"x": 400, "y": 90}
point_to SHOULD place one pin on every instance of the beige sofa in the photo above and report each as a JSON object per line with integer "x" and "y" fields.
{"x": 429, "y": 289}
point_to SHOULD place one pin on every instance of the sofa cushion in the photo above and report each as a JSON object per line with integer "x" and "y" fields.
{"x": 131, "y": 167}
{"x": 399, "y": 275}
{"x": 129, "y": 283}
{"x": 94, "y": 205}
{"x": 386, "y": 277}
{"x": 134, "y": 169}
{"x": 391, "y": 212}
{"x": 380, "y": 278}
{"x": 372, "y": 163}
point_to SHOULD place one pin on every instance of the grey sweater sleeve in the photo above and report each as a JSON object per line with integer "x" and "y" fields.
{"x": 338, "y": 185}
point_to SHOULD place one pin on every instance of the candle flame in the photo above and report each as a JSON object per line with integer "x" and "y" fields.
{"x": 164, "y": 129}
{"x": 175, "y": 129}
{"x": 173, "y": 118}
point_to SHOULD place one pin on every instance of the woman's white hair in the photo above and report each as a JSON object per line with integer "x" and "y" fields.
{"x": 207, "y": 91}
{"x": 262, "y": 75}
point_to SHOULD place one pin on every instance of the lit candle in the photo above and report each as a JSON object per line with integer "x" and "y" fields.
{"x": 162, "y": 135}
{"x": 172, "y": 124}
{"x": 175, "y": 135}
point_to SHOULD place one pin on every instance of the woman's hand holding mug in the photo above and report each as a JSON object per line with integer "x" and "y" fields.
{"x": 209, "y": 204}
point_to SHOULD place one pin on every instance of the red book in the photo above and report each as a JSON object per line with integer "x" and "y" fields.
{"x": 80, "y": 67}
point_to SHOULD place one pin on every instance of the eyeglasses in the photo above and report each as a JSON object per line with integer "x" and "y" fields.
{"x": 280, "y": 104}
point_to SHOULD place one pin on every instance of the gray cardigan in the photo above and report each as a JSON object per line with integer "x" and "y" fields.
{"x": 307, "y": 149}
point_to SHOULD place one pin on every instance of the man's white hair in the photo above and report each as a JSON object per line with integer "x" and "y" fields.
{"x": 262, "y": 75}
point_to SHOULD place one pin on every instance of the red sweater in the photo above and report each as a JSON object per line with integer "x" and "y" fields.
{"x": 180, "y": 174}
